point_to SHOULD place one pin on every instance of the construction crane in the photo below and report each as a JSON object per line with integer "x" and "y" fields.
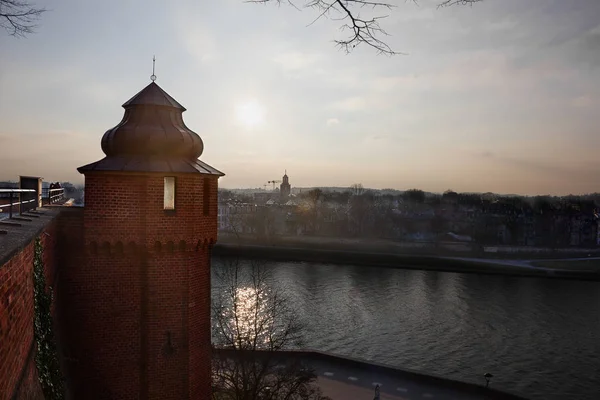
{"x": 275, "y": 182}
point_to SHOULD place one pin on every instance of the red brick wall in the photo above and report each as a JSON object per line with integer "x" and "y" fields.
{"x": 30, "y": 388}
{"x": 144, "y": 276}
{"x": 199, "y": 326}
{"x": 17, "y": 368}
{"x": 114, "y": 204}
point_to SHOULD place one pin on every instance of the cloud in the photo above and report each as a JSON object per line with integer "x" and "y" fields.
{"x": 55, "y": 154}
{"x": 543, "y": 169}
{"x": 511, "y": 77}
{"x": 293, "y": 61}
{"x": 503, "y": 25}
{"x": 384, "y": 84}
{"x": 592, "y": 39}
{"x": 376, "y": 138}
{"x": 355, "y": 103}
{"x": 245, "y": 153}
{"x": 581, "y": 22}
{"x": 100, "y": 92}
{"x": 584, "y": 101}
{"x": 198, "y": 40}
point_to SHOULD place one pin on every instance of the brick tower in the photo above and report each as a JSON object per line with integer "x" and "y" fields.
{"x": 285, "y": 188}
{"x": 140, "y": 303}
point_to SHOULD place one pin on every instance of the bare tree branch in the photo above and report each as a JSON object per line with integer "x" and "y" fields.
{"x": 251, "y": 321}
{"x": 360, "y": 30}
{"x": 447, "y": 3}
{"x": 19, "y": 17}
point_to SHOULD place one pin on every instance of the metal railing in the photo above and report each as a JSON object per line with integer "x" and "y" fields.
{"x": 55, "y": 195}
{"x": 27, "y": 200}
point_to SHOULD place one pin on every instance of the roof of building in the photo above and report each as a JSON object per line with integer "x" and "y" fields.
{"x": 149, "y": 164}
{"x": 152, "y": 137}
{"x": 153, "y": 94}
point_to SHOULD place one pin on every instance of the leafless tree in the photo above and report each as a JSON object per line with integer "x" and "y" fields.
{"x": 361, "y": 208}
{"x": 447, "y": 3}
{"x": 383, "y": 208}
{"x": 361, "y": 29}
{"x": 264, "y": 223}
{"x": 357, "y": 189}
{"x": 252, "y": 321}
{"x": 19, "y": 17}
{"x": 239, "y": 222}
{"x": 315, "y": 196}
{"x": 415, "y": 196}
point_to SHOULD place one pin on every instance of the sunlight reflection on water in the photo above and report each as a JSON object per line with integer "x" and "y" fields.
{"x": 539, "y": 337}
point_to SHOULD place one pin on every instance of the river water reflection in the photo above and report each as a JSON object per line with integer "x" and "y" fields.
{"x": 539, "y": 337}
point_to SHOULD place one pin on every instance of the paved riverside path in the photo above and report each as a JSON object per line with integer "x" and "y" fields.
{"x": 347, "y": 390}
{"x": 345, "y": 382}
{"x": 527, "y": 263}
{"x": 344, "y": 378}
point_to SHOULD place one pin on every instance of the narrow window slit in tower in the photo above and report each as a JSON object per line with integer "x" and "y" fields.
{"x": 169, "y": 192}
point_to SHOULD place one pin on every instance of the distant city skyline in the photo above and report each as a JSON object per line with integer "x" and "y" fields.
{"x": 295, "y": 189}
{"x": 500, "y": 97}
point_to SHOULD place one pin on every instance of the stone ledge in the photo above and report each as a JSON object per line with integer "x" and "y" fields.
{"x": 19, "y": 234}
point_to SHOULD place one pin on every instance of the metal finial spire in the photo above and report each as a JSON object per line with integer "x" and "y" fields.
{"x": 153, "y": 77}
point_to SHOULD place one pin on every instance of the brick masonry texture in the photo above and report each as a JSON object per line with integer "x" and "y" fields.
{"x": 129, "y": 208}
{"x": 135, "y": 303}
{"x": 132, "y": 292}
{"x": 18, "y": 376}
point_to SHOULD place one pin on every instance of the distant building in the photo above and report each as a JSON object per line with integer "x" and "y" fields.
{"x": 260, "y": 198}
{"x": 584, "y": 230}
{"x": 285, "y": 189}
{"x": 597, "y": 229}
{"x": 235, "y": 217}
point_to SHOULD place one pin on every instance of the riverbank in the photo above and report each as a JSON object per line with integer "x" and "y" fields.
{"x": 388, "y": 254}
{"x": 361, "y": 376}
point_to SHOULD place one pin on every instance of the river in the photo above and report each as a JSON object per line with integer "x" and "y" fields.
{"x": 540, "y": 338}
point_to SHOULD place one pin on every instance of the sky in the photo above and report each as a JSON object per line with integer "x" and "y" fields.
{"x": 503, "y": 96}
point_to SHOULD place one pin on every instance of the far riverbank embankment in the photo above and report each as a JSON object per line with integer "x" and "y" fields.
{"x": 534, "y": 262}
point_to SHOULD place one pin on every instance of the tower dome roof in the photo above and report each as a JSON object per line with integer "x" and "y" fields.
{"x": 152, "y": 126}
{"x": 153, "y": 94}
{"x": 151, "y": 137}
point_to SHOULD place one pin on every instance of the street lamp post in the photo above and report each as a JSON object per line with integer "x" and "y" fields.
{"x": 487, "y": 377}
{"x": 376, "y": 393}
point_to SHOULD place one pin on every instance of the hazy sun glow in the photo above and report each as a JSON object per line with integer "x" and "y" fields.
{"x": 250, "y": 113}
